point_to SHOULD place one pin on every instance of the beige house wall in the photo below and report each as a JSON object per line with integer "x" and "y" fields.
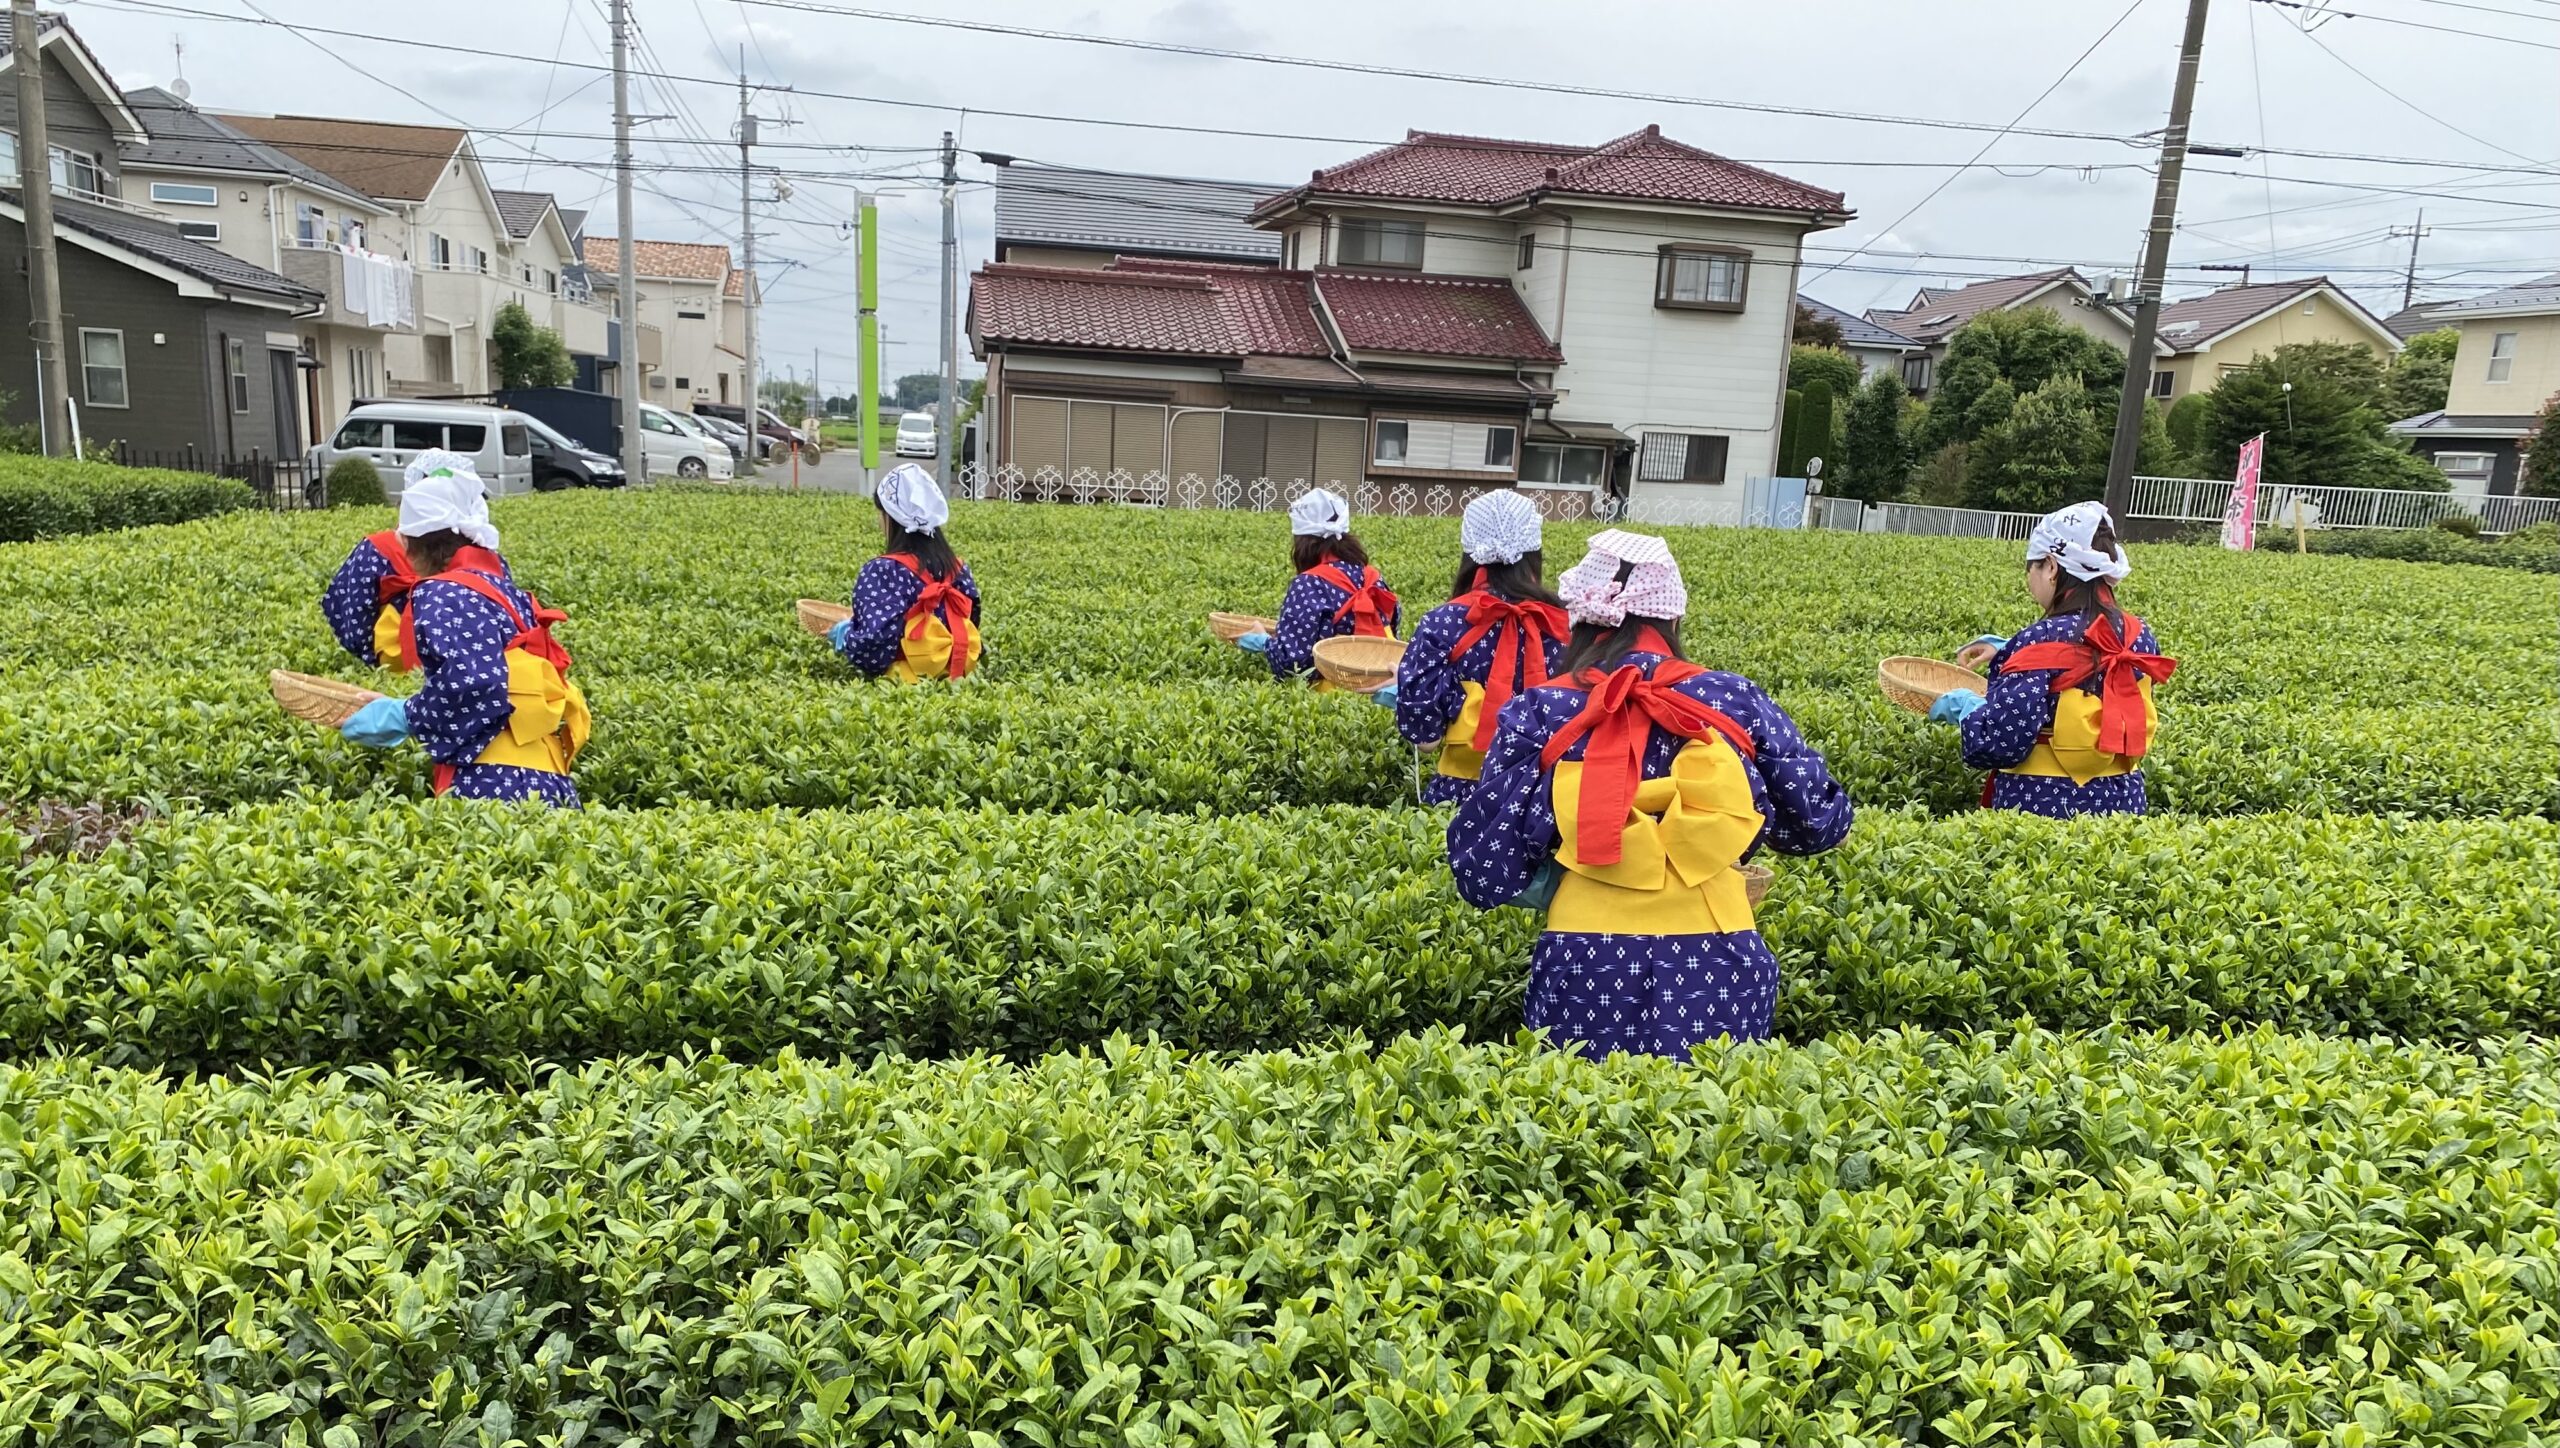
{"x": 2305, "y": 319}
{"x": 2532, "y": 377}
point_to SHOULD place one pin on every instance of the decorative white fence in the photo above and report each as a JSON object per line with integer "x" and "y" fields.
{"x": 2204, "y": 500}
{"x": 1259, "y": 495}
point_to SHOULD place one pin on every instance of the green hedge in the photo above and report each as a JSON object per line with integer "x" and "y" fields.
{"x": 2535, "y": 549}
{"x": 58, "y": 497}
{"x": 1908, "y": 1240}
{"x": 483, "y": 937}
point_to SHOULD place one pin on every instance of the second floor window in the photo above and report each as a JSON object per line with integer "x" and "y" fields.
{"x": 310, "y": 224}
{"x": 2163, "y": 384}
{"x": 440, "y": 252}
{"x": 1915, "y": 373}
{"x": 1700, "y": 278}
{"x": 184, "y": 193}
{"x": 1382, "y": 243}
{"x": 2502, "y": 356}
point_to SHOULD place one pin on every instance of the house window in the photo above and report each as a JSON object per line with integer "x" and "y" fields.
{"x": 102, "y": 368}
{"x": 1499, "y": 444}
{"x": 692, "y": 314}
{"x": 238, "y": 354}
{"x": 684, "y": 384}
{"x": 2163, "y": 383}
{"x": 310, "y": 224}
{"x": 204, "y": 231}
{"x": 2467, "y": 467}
{"x": 550, "y": 282}
{"x": 2502, "y": 356}
{"x": 360, "y": 372}
{"x": 1292, "y": 262}
{"x": 474, "y": 259}
{"x": 1528, "y": 251}
{"x": 1682, "y": 457}
{"x": 184, "y": 193}
{"x": 439, "y": 252}
{"x": 1702, "y": 278}
{"x": 1440, "y": 445}
{"x": 75, "y": 171}
{"x": 1561, "y": 467}
{"x": 1382, "y": 243}
{"x": 1393, "y": 438}
{"x": 1915, "y": 373}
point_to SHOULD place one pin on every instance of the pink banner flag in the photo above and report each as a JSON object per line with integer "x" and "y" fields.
{"x": 2240, "y": 520}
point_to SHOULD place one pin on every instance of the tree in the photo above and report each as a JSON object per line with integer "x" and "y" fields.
{"x": 2422, "y": 374}
{"x": 2158, "y": 455}
{"x": 1816, "y": 437}
{"x": 1875, "y": 460}
{"x": 918, "y": 391}
{"x": 2048, "y": 452}
{"x": 2320, "y": 432}
{"x": 1829, "y": 364}
{"x": 2186, "y": 425}
{"x": 2352, "y": 367}
{"x": 1791, "y": 436}
{"x": 2024, "y": 350}
{"x": 789, "y": 400}
{"x": 526, "y": 355}
{"x": 2540, "y": 477}
{"x": 1814, "y": 329}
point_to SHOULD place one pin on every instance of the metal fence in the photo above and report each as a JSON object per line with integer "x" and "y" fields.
{"x": 1262, "y": 495}
{"x": 280, "y": 483}
{"x": 2205, "y": 500}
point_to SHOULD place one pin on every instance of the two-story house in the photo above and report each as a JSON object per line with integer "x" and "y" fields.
{"x": 2204, "y": 339}
{"x": 2507, "y": 367}
{"x": 1936, "y": 314}
{"x": 693, "y": 299}
{"x": 183, "y": 352}
{"x": 1449, "y": 310}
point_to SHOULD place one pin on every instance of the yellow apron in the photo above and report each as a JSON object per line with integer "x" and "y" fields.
{"x": 2069, "y": 750}
{"x": 1459, "y": 757}
{"x": 1675, "y": 873}
{"x": 929, "y": 657}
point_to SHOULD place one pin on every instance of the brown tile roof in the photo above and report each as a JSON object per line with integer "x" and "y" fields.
{"x": 395, "y": 163}
{"x": 1644, "y": 166}
{"x": 2191, "y": 322}
{"x": 1271, "y": 311}
{"x": 688, "y": 261}
{"x": 1119, "y": 311}
{"x": 1437, "y": 316}
{"x": 1937, "y": 314}
{"x": 735, "y": 286}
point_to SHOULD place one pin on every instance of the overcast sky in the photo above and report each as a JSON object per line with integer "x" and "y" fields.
{"x": 2472, "y": 99}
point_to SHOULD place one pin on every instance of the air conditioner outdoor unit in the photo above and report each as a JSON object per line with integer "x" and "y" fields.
{"x": 658, "y": 382}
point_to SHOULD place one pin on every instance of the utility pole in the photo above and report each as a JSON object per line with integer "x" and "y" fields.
{"x": 626, "y": 291}
{"x": 747, "y": 239}
{"x": 2409, "y": 281}
{"x": 2155, "y": 267}
{"x": 44, "y": 275}
{"x": 950, "y": 409}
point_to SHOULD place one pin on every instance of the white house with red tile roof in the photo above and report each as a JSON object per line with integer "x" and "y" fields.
{"x": 692, "y": 295}
{"x": 1447, "y": 310}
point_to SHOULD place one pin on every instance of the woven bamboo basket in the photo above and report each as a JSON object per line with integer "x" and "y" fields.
{"x": 818, "y": 616}
{"x": 1360, "y": 664}
{"x": 1755, "y": 883}
{"x": 1915, "y": 684}
{"x": 327, "y": 702}
{"x": 1230, "y": 627}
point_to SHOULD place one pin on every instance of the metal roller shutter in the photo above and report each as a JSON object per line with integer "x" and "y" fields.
{"x": 1291, "y": 452}
{"x": 1342, "y": 447}
{"x": 1089, "y": 437}
{"x": 1137, "y": 439}
{"x": 1039, "y": 434}
{"x": 1197, "y": 438}
{"x": 1246, "y": 433}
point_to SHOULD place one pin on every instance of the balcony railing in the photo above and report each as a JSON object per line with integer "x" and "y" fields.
{"x": 363, "y": 289}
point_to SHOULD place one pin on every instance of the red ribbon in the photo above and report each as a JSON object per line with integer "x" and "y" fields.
{"x": 942, "y": 596}
{"x": 1369, "y": 604}
{"x": 392, "y": 589}
{"x": 534, "y": 638}
{"x": 1623, "y": 710}
{"x": 2124, "y": 726}
{"x": 1520, "y": 629}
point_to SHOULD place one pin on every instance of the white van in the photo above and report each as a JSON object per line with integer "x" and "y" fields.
{"x": 389, "y": 434}
{"x": 916, "y": 435}
{"x": 676, "y": 450}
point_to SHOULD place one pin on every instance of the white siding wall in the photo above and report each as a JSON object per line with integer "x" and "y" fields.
{"x": 1640, "y": 367}
{"x": 693, "y": 344}
{"x": 1468, "y": 245}
{"x": 1309, "y": 236}
{"x": 1542, "y": 285}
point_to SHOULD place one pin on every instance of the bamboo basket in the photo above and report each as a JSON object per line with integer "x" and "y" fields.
{"x": 1915, "y": 684}
{"x": 1363, "y": 665}
{"x": 326, "y": 702}
{"x": 1755, "y": 883}
{"x": 1230, "y": 627}
{"x": 818, "y": 616}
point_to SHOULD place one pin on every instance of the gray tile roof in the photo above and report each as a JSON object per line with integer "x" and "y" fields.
{"x": 8, "y": 31}
{"x": 1855, "y": 331}
{"x": 1140, "y": 215}
{"x": 522, "y": 210}
{"x": 2466, "y": 424}
{"x": 1938, "y": 313}
{"x": 184, "y": 138}
{"x": 573, "y": 222}
{"x": 2410, "y": 321}
{"x": 2539, "y": 293}
{"x": 159, "y": 241}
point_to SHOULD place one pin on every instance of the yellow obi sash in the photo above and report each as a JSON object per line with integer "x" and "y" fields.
{"x": 2070, "y": 749}
{"x": 386, "y": 639}
{"x": 547, "y": 723}
{"x": 1675, "y": 873}
{"x": 924, "y": 651}
{"x": 1459, "y": 757}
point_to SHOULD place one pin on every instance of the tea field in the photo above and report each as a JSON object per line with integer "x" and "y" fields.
{"x": 1095, "y": 1052}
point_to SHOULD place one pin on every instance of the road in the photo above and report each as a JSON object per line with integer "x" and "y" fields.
{"x": 837, "y": 471}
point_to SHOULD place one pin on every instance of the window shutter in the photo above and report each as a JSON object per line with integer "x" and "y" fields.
{"x": 1197, "y": 439}
{"x": 1039, "y": 434}
{"x": 1340, "y": 445}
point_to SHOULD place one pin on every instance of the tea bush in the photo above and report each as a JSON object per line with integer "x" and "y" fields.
{"x": 43, "y": 497}
{"x": 486, "y": 937}
{"x": 2119, "y": 1239}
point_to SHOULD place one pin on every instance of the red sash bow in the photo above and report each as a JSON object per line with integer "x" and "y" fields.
{"x": 938, "y": 596}
{"x": 1369, "y": 604}
{"x": 1620, "y": 715}
{"x": 1520, "y": 629}
{"x": 2124, "y": 726}
{"x": 392, "y": 589}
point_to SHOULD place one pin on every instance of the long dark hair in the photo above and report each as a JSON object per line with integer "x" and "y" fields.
{"x": 432, "y": 553}
{"x": 931, "y": 551}
{"x": 1524, "y": 581}
{"x": 2089, "y": 597}
{"x": 1306, "y": 552}
{"x": 1605, "y": 646}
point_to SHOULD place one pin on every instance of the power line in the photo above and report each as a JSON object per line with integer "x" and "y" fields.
{"x": 2408, "y": 104}
{"x": 2313, "y": 8}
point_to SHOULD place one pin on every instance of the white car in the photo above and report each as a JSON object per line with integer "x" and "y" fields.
{"x": 388, "y": 434}
{"x": 675, "y": 450}
{"x": 916, "y": 436}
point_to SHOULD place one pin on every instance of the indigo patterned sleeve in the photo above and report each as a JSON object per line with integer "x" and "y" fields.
{"x": 353, "y": 601}
{"x": 462, "y": 650}
{"x": 882, "y": 593}
{"x": 977, "y": 605}
{"x": 1430, "y": 694}
{"x": 1809, "y": 811}
{"x": 2018, "y": 707}
{"x": 1306, "y": 615}
{"x": 1505, "y": 831}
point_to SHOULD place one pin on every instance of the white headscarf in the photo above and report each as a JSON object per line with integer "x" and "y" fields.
{"x": 1500, "y": 527}
{"x": 441, "y": 490}
{"x": 912, "y": 500}
{"x": 1321, "y": 513}
{"x": 2065, "y": 535}
{"x": 1653, "y": 589}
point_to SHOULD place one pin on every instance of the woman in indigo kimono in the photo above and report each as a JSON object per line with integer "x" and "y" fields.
{"x": 1622, "y": 798}
{"x": 367, "y": 603}
{"x": 1336, "y": 591}
{"x": 1501, "y": 631}
{"x": 915, "y": 607}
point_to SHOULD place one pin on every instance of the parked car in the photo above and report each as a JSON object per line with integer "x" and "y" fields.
{"x": 728, "y": 432}
{"x": 702, "y": 428}
{"x": 564, "y": 462}
{"x": 498, "y": 440}
{"x": 772, "y": 432}
{"x": 917, "y": 437}
{"x": 674, "y": 450}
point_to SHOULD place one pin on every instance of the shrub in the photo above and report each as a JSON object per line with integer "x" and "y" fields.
{"x": 44, "y": 497}
{"x": 1829, "y": 365}
{"x": 354, "y": 483}
{"x": 2461, "y": 525}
